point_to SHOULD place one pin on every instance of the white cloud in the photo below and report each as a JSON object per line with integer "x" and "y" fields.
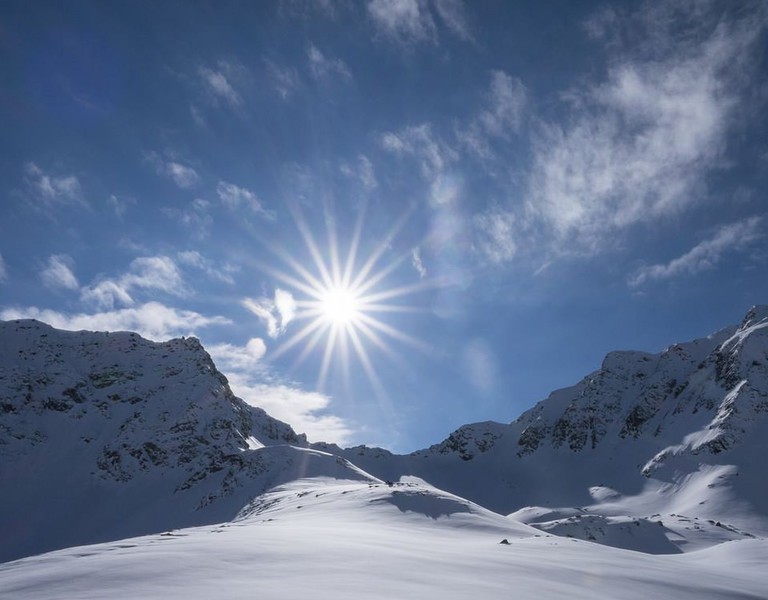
{"x": 420, "y": 142}
{"x": 197, "y": 115}
{"x": 146, "y": 273}
{"x": 305, "y": 411}
{"x": 52, "y": 189}
{"x": 119, "y": 204}
{"x": 454, "y": 16}
{"x": 193, "y": 258}
{"x": 502, "y": 114}
{"x": 182, "y": 175}
{"x": 275, "y": 312}
{"x": 323, "y": 68}
{"x": 3, "y": 270}
{"x": 285, "y": 80}
{"x": 495, "y": 235}
{"x": 363, "y": 172}
{"x": 704, "y": 255}
{"x": 196, "y": 216}
{"x": 235, "y": 197}
{"x": 219, "y": 86}
{"x": 640, "y": 144}
{"x": 412, "y": 21}
{"x": 404, "y": 21}
{"x": 417, "y": 263}
{"x": 285, "y": 305}
{"x": 506, "y": 104}
{"x": 243, "y": 358}
{"x": 58, "y": 273}
{"x": 152, "y": 320}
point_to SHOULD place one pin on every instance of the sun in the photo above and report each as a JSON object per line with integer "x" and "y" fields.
{"x": 342, "y": 300}
{"x": 340, "y": 306}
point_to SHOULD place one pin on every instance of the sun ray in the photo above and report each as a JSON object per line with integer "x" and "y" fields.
{"x": 376, "y": 340}
{"x": 310, "y": 346}
{"x": 333, "y": 246}
{"x": 296, "y": 338}
{"x": 309, "y": 242}
{"x": 395, "y": 333}
{"x": 346, "y": 279}
{"x": 370, "y": 372}
{"x": 329, "y": 347}
{"x": 395, "y": 308}
{"x": 364, "y": 271}
{"x": 397, "y": 292}
{"x": 309, "y": 286}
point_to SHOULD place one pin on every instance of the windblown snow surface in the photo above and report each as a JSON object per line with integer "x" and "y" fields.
{"x": 128, "y": 469}
{"x": 319, "y": 538}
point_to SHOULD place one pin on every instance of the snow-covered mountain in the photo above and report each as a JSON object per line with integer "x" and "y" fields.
{"x": 681, "y": 432}
{"x": 107, "y": 436}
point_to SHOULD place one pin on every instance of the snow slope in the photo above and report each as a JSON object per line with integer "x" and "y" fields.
{"x": 321, "y": 538}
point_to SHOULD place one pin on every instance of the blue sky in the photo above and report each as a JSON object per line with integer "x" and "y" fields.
{"x": 499, "y": 192}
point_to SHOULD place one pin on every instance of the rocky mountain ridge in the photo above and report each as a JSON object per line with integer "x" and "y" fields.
{"x": 106, "y": 435}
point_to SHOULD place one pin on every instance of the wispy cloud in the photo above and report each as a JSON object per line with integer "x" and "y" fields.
{"x": 420, "y": 142}
{"x": 49, "y": 189}
{"x": 413, "y": 21}
{"x": 495, "y": 235}
{"x": 236, "y": 197}
{"x": 219, "y": 87}
{"x": 454, "y": 15}
{"x": 705, "y": 255}
{"x": 194, "y": 259}
{"x": 119, "y": 204}
{"x": 324, "y": 68}
{"x": 404, "y": 21}
{"x": 196, "y": 215}
{"x": 3, "y": 270}
{"x": 182, "y": 175}
{"x": 152, "y": 320}
{"x": 274, "y": 312}
{"x": 363, "y": 171}
{"x": 501, "y": 116}
{"x": 285, "y": 80}
{"x": 640, "y": 144}
{"x": 149, "y": 273}
{"x": 58, "y": 273}
{"x": 417, "y": 262}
